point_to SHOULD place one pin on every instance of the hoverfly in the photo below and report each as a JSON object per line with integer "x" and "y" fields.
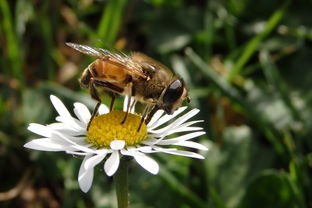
{"x": 137, "y": 76}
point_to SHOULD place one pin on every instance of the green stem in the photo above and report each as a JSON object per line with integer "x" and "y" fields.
{"x": 121, "y": 184}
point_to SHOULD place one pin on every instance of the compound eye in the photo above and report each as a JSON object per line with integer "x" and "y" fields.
{"x": 173, "y": 92}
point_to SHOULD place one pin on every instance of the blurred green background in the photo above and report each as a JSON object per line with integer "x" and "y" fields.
{"x": 248, "y": 65}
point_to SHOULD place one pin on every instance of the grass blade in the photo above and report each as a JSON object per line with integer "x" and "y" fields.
{"x": 13, "y": 51}
{"x": 110, "y": 21}
{"x": 254, "y": 43}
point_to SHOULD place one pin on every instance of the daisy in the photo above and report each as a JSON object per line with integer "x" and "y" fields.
{"x": 107, "y": 139}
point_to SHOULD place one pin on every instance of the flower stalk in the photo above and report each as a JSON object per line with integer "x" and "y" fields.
{"x": 121, "y": 183}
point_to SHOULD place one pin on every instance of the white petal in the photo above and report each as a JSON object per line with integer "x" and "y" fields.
{"x": 155, "y": 118}
{"x": 150, "y": 141}
{"x": 129, "y": 151}
{"x": 72, "y": 123}
{"x": 186, "y": 116}
{"x": 103, "y": 109}
{"x": 167, "y": 117}
{"x": 85, "y": 176}
{"x": 69, "y": 140}
{"x": 77, "y": 153}
{"x": 148, "y": 151}
{"x": 82, "y": 112}
{"x": 192, "y": 144}
{"x": 64, "y": 115}
{"x": 185, "y": 127}
{"x": 103, "y": 151}
{"x": 65, "y": 129}
{"x": 180, "y": 138}
{"x": 180, "y": 153}
{"x": 112, "y": 163}
{"x": 93, "y": 161}
{"x": 125, "y": 104}
{"x": 63, "y": 137}
{"x": 126, "y": 152}
{"x": 146, "y": 162}
{"x": 44, "y": 144}
{"x": 83, "y": 148}
{"x": 39, "y": 129}
{"x": 60, "y": 107}
{"x": 132, "y": 110}
{"x": 117, "y": 144}
{"x": 80, "y": 140}
{"x": 144, "y": 148}
{"x": 72, "y": 142}
{"x": 169, "y": 128}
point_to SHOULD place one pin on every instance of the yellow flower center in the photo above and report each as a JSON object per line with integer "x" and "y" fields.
{"x": 107, "y": 127}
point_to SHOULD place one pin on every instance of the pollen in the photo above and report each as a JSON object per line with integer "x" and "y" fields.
{"x": 108, "y": 127}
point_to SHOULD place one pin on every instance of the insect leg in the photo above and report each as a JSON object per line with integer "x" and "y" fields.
{"x": 150, "y": 114}
{"x": 107, "y": 85}
{"x": 146, "y": 109}
{"x": 128, "y": 104}
{"x": 111, "y": 107}
{"x": 127, "y": 112}
{"x": 113, "y": 89}
{"x": 133, "y": 92}
{"x": 133, "y": 104}
{"x": 94, "y": 95}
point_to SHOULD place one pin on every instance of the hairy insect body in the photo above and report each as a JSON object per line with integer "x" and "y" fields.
{"x": 159, "y": 78}
{"x": 137, "y": 76}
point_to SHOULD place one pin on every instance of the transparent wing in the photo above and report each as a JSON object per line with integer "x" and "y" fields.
{"x": 87, "y": 50}
{"x": 118, "y": 58}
